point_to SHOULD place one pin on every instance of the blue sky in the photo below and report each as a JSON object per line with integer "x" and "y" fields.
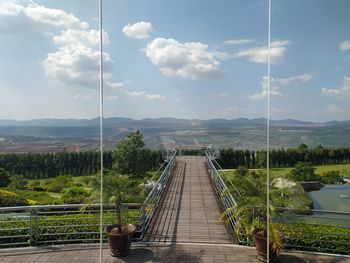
{"x": 185, "y": 59}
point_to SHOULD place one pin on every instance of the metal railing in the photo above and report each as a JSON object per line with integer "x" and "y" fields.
{"x": 57, "y": 224}
{"x": 151, "y": 203}
{"x": 220, "y": 187}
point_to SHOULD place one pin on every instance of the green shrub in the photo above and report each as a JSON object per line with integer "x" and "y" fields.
{"x": 317, "y": 237}
{"x": 75, "y": 195}
{"x": 331, "y": 177}
{"x": 58, "y": 183}
{"x": 11, "y": 199}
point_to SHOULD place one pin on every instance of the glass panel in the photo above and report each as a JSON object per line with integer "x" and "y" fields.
{"x": 48, "y": 132}
{"x": 309, "y": 128}
{"x": 192, "y": 78}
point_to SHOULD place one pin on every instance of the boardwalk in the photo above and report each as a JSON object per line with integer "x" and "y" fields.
{"x": 190, "y": 210}
{"x": 179, "y": 253}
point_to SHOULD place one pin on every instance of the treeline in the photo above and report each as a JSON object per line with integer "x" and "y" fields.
{"x": 232, "y": 158}
{"x": 38, "y": 166}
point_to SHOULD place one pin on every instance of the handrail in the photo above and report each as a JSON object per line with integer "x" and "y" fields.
{"x": 220, "y": 187}
{"x": 152, "y": 201}
{"x": 19, "y": 208}
{"x": 227, "y": 178}
{"x": 56, "y": 224}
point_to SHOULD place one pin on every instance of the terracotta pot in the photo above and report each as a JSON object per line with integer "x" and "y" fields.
{"x": 119, "y": 243}
{"x": 260, "y": 239}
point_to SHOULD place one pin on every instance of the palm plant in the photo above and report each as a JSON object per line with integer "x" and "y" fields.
{"x": 250, "y": 213}
{"x": 115, "y": 191}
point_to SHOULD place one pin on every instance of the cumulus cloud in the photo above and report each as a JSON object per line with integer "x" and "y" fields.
{"x": 260, "y": 54}
{"x": 342, "y": 91}
{"x": 18, "y": 16}
{"x": 81, "y": 37}
{"x": 190, "y": 60}
{"x": 345, "y": 45}
{"x": 76, "y": 61}
{"x": 139, "y": 30}
{"x": 234, "y": 42}
{"x": 147, "y": 96}
{"x": 276, "y": 84}
{"x": 54, "y": 17}
{"x": 333, "y": 109}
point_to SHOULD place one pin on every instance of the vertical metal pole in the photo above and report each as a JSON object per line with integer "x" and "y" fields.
{"x": 268, "y": 134}
{"x": 101, "y": 130}
{"x": 31, "y": 227}
{"x": 36, "y": 227}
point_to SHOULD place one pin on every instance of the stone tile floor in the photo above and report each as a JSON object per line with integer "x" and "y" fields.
{"x": 158, "y": 253}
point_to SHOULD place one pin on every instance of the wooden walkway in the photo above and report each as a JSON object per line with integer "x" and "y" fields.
{"x": 189, "y": 211}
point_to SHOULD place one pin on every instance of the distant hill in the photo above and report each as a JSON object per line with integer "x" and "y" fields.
{"x": 156, "y": 121}
{"x": 171, "y": 132}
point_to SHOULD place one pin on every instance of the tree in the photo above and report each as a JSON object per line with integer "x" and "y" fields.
{"x": 331, "y": 177}
{"x": 303, "y": 172}
{"x": 241, "y": 171}
{"x": 18, "y": 182}
{"x": 131, "y": 155}
{"x": 4, "y": 178}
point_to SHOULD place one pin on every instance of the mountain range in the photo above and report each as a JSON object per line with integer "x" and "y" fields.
{"x": 170, "y": 132}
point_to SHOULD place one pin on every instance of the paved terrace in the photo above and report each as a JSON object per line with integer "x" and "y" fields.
{"x": 190, "y": 210}
{"x": 166, "y": 253}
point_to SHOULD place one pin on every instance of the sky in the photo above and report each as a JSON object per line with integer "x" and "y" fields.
{"x": 185, "y": 59}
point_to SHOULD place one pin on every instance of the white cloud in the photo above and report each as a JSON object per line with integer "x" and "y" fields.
{"x": 343, "y": 91}
{"x": 54, "y": 17}
{"x": 225, "y": 94}
{"x": 233, "y": 42}
{"x": 81, "y": 37}
{"x": 82, "y": 97}
{"x": 260, "y": 54}
{"x": 155, "y": 97}
{"x": 333, "y": 109}
{"x": 136, "y": 93}
{"x": 111, "y": 84}
{"x": 190, "y": 60}
{"x": 20, "y": 15}
{"x": 147, "y": 96}
{"x": 76, "y": 61}
{"x": 345, "y": 45}
{"x": 276, "y": 84}
{"x": 139, "y": 30}
{"x": 112, "y": 97}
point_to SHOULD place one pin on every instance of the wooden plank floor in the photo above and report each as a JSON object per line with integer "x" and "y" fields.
{"x": 189, "y": 211}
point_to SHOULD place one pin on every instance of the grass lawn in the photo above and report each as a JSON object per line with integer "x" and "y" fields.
{"x": 280, "y": 172}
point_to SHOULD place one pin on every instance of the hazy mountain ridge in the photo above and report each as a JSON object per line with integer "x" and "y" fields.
{"x": 158, "y": 121}
{"x": 43, "y": 135}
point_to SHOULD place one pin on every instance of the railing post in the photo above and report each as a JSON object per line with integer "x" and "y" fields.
{"x": 33, "y": 227}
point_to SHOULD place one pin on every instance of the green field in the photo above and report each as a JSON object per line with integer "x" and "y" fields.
{"x": 320, "y": 169}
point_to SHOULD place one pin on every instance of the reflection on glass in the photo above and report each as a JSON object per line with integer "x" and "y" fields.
{"x": 48, "y": 134}
{"x": 309, "y": 138}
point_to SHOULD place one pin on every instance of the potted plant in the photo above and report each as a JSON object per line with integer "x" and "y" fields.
{"x": 250, "y": 216}
{"x": 115, "y": 189}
